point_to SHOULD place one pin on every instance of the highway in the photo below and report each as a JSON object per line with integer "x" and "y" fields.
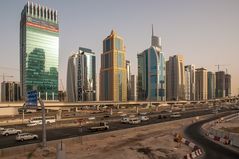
{"x": 60, "y": 133}
{"x": 212, "y": 150}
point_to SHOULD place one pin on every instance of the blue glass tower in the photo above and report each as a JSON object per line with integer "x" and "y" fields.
{"x": 151, "y": 72}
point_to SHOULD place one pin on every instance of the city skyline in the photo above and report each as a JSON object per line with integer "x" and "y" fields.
{"x": 136, "y": 38}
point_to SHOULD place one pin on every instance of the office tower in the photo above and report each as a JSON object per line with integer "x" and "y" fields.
{"x": 201, "y": 84}
{"x": 39, "y": 51}
{"x": 220, "y": 84}
{"x": 81, "y": 76}
{"x": 133, "y": 88}
{"x": 151, "y": 72}
{"x": 227, "y": 85}
{"x": 10, "y": 91}
{"x": 190, "y": 82}
{"x": 211, "y": 85}
{"x": 113, "y": 80}
{"x": 175, "y": 78}
{"x": 128, "y": 72}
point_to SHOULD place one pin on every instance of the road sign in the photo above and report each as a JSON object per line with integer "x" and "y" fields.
{"x": 31, "y": 99}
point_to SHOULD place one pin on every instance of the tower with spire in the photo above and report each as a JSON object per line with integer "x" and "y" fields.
{"x": 151, "y": 72}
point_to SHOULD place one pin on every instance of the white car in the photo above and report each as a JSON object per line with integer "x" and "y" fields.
{"x": 144, "y": 118}
{"x": 1, "y": 128}
{"x": 32, "y": 124}
{"x": 134, "y": 121}
{"x": 125, "y": 120}
{"x": 10, "y": 131}
{"x": 91, "y": 118}
{"x": 26, "y": 136}
{"x": 123, "y": 114}
{"x": 143, "y": 113}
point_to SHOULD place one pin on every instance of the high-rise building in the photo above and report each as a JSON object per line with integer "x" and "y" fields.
{"x": 128, "y": 72}
{"x": 201, "y": 84}
{"x": 220, "y": 84}
{"x": 211, "y": 85}
{"x": 151, "y": 72}
{"x": 227, "y": 85}
{"x": 190, "y": 82}
{"x": 175, "y": 78}
{"x": 113, "y": 80}
{"x": 81, "y": 76}
{"x": 39, "y": 51}
{"x": 133, "y": 88}
{"x": 10, "y": 91}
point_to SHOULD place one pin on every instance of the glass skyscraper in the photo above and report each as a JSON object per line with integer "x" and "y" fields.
{"x": 39, "y": 51}
{"x": 113, "y": 80}
{"x": 81, "y": 76}
{"x": 151, "y": 72}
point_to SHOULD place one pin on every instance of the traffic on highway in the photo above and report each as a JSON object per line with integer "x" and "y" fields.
{"x": 97, "y": 123}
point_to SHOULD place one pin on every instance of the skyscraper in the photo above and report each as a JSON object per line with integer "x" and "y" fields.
{"x": 220, "y": 84}
{"x": 133, "y": 88}
{"x": 39, "y": 51}
{"x": 151, "y": 72}
{"x": 113, "y": 80}
{"x": 10, "y": 91}
{"x": 175, "y": 78}
{"x": 81, "y": 76}
{"x": 128, "y": 72}
{"x": 201, "y": 84}
{"x": 211, "y": 85}
{"x": 227, "y": 85}
{"x": 190, "y": 82}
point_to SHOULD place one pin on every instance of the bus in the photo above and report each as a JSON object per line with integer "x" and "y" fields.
{"x": 38, "y": 120}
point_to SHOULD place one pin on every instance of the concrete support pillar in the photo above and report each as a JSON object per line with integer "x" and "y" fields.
{"x": 157, "y": 108}
{"x": 137, "y": 109}
{"x": 111, "y": 111}
{"x": 118, "y": 107}
{"x": 97, "y": 107}
{"x": 61, "y": 151}
{"x": 58, "y": 115}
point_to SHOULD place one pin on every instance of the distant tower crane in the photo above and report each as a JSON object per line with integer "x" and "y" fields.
{"x": 3, "y": 76}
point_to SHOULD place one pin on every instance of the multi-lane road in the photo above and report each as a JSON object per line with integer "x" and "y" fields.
{"x": 212, "y": 150}
{"x": 60, "y": 133}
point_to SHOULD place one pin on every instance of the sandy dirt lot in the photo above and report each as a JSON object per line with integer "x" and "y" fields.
{"x": 147, "y": 142}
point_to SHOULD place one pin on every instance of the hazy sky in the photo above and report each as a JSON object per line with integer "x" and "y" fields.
{"x": 206, "y": 32}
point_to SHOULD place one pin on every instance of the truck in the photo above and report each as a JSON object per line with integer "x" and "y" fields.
{"x": 101, "y": 127}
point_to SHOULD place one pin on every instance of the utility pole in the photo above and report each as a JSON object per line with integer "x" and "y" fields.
{"x": 43, "y": 123}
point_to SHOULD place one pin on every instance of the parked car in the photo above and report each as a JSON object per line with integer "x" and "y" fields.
{"x": 91, "y": 118}
{"x": 123, "y": 114}
{"x": 144, "y": 118}
{"x": 1, "y": 128}
{"x": 26, "y": 136}
{"x": 10, "y": 131}
{"x": 134, "y": 121}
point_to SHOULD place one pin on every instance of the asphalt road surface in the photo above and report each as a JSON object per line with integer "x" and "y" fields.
{"x": 212, "y": 150}
{"x": 61, "y": 133}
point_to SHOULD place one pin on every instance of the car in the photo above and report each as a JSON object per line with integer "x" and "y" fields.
{"x": 1, "y": 128}
{"x": 134, "y": 121}
{"x": 123, "y": 114}
{"x": 144, "y": 118}
{"x": 106, "y": 116}
{"x": 143, "y": 113}
{"x": 175, "y": 115}
{"x": 10, "y": 131}
{"x": 164, "y": 115}
{"x": 91, "y": 118}
{"x": 32, "y": 124}
{"x": 124, "y": 120}
{"x": 26, "y": 136}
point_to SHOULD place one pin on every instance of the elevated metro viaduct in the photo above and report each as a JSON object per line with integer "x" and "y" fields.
{"x": 55, "y": 105}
